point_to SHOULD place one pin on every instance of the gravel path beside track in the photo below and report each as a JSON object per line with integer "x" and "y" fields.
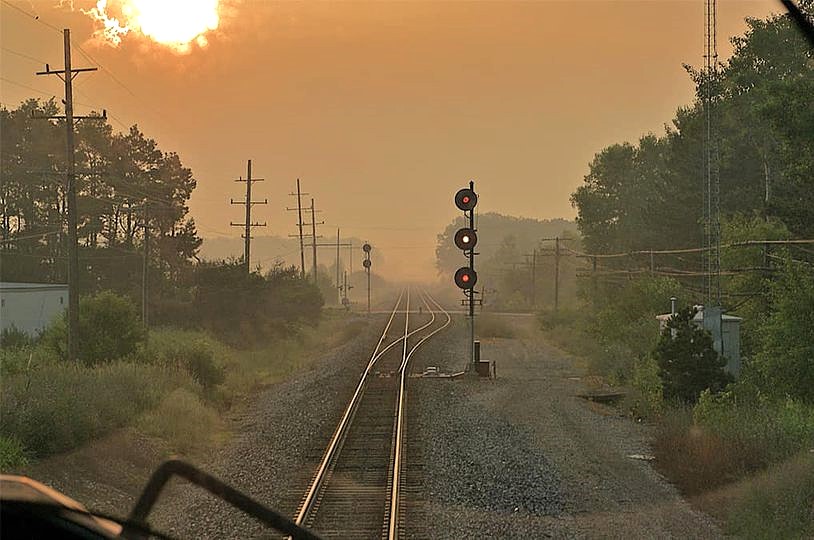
{"x": 523, "y": 457}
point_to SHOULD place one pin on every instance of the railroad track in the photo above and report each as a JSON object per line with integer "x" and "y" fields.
{"x": 357, "y": 489}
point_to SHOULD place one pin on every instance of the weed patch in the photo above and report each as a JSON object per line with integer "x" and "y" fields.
{"x": 12, "y": 454}
{"x": 777, "y": 504}
{"x": 58, "y": 407}
{"x": 183, "y": 421}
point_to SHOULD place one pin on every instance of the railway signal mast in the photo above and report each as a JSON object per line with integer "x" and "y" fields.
{"x": 466, "y": 239}
{"x": 366, "y": 263}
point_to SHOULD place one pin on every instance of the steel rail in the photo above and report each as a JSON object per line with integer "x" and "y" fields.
{"x": 331, "y": 453}
{"x": 392, "y": 528}
{"x": 313, "y": 489}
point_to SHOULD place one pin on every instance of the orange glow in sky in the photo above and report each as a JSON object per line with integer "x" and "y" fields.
{"x": 174, "y": 23}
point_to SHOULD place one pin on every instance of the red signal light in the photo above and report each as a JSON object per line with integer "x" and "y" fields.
{"x": 466, "y": 199}
{"x": 465, "y": 277}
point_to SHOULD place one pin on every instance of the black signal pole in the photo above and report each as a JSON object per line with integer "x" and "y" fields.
{"x": 472, "y": 358}
{"x": 366, "y": 263}
{"x": 472, "y": 266}
{"x": 466, "y": 277}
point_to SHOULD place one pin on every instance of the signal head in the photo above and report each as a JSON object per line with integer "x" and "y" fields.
{"x": 466, "y": 238}
{"x": 466, "y": 199}
{"x": 366, "y": 263}
{"x": 366, "y": 248}
{"x": 465, "y": 278}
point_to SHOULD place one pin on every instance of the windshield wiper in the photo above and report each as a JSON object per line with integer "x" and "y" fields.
{"x": 137, "y": 522}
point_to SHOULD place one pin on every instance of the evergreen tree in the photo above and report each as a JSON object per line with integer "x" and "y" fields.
{"x": 688, "y": 364}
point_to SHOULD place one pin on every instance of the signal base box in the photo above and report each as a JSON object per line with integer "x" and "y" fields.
{"x": 484, "y": 368}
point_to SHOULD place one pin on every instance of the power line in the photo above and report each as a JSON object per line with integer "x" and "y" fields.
{"x": 21, "y": 85}
{"x": 23, "y": 55}
{"x": 31, "y": 16}
{"x": 104, "y": 69}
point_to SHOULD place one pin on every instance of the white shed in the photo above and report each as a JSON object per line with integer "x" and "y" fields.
{"x": 31, "y": 307}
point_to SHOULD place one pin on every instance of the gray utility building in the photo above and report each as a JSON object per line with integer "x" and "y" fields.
{"x": 725, "y": 330}
{"x": 31, "y": 307}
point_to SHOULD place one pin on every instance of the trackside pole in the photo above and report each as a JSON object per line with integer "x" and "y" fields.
{"x": 472, "y": 358}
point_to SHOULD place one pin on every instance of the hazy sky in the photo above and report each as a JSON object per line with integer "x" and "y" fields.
{"x": 384, "y": 109}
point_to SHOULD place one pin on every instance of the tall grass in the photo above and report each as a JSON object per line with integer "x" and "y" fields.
{"x": 60, "y": 406}
{"x": 183, "y": 421}
{"x": 777, "y": 504}
{"x": 721, "y": 441}
{"x": 171, "y": 388}
{"x": 12, "y": 454}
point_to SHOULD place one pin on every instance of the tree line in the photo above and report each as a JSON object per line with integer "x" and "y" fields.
{"x": 128, "y": 189}
{"x": 650, "y": 196}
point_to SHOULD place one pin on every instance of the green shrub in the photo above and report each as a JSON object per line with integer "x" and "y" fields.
{"x": 12, "y": 454}
{"x": 201, "y": 356}
{"x": 687, "y": 362}
{"x": 785, "y": 354}
{"x": 183, "y": 421}
{"x": 647, "y": 396}
{"x": 58, "y": 407}
{"x": 109, "y": 328}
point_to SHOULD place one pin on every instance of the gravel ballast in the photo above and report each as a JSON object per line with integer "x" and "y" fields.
{"x": 523, "y": 457}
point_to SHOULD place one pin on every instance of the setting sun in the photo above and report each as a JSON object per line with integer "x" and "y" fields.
{"x": 176, "y": 24}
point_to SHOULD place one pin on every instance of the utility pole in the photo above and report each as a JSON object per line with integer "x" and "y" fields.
{"x": 314, "y": 236}
{"x": 299, "y": 195}
{"x": 145, "y": 273}
{"x": 345, "y": 290}
{"x": 337, "y": 244}
{"x": 247, "y": 235}
{"x": 338, "y": 285}
{"x": 557, "y": 252}
{"x": 67, "y": 75}
{"x": 556, "y": 273}
{"x": 534, "y": 279}
{"x": 533, "y": 270}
